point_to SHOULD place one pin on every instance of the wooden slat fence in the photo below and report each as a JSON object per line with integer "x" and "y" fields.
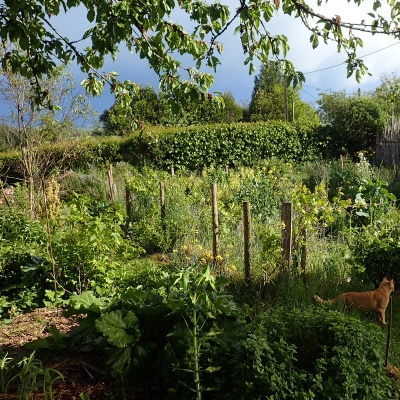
{"x": 387, "y": 150}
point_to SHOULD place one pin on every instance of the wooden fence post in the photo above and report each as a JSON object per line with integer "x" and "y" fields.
{"x": 162, "y": 205}
{"x": 287, "y": 211}
{"x": 303, "y": 259}
{"x": 128, "y": 201}
{"x": 246, "y": 238}
{"x": 172, "y": 171}
{"x": 215, "y": 221}
{"x": 112, "y": 187}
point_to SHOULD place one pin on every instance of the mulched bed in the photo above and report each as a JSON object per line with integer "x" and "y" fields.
{"x": 84, "y": 375}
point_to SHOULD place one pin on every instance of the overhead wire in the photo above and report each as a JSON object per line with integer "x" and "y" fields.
{"x": 305, "y": 91}
{"x": 338, "y": 65}
{"x": 366, "y": 55}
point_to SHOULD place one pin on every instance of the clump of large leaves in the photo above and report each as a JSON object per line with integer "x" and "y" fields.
{"x": 140, "y": 327}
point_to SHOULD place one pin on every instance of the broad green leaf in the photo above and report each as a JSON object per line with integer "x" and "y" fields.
{"x": 91, "y": 15}
{"x": 41, "y": 343}
{"x": 87, "y": 301}
{"x": 358, "y": 75}
{"x": 120, "y": 329}
{"x": 315, "y": 40}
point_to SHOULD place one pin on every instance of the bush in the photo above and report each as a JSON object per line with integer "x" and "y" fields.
{"x": 23, "y": 267}
{"x": 368, "y": 196}
{"x": 190, "y": 148}
{"x": 23, "y": 282}
{"x": 88, "y": 244}
{"x": 377, "y": 254}
{"x": 306, "y": 354}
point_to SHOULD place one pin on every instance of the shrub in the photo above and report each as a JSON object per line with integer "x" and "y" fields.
{"x": 368, "y": 196}
{"x": 88, "y": 244}
{"x": 23, "y": 282}
{"x": 306, "y": 354}
{"x": 158, "y": 334}
{"x": 377, "y": 254}
{"x": 190, "y": 148}
{"x": 23, "y": 266}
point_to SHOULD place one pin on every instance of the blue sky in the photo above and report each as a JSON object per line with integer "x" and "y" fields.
{"x": 323, "y": 67}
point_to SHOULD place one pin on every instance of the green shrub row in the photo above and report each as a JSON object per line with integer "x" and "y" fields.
{"x": 240, "y": 144}
{"x": 184, "y": 148}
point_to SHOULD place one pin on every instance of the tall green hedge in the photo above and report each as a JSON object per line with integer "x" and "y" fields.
{"x": 185, "y": 148}
{"x": 234, "y": 144}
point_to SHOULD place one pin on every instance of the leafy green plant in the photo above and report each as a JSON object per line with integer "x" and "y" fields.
{"x": 306, "y": 353}
{"x": 195, "y": 298}
{"x": 87, "y": 244}
{"x": 377, "y": 253}
{"x": 24, "y": 280}
{"x": 159, "y": 332}
{"x": 53, "y": 343}
{"x": 29, "y": 371}
{"x": 368, "y": 195}
{"x": 30, "y": 376}
{"x": 17, "y": 227}
{"x": 50, "y": 376}
{"x": 6, "y": 366}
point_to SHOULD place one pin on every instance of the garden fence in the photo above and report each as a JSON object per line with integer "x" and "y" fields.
{"x": 286, "y": 215}
{"x": 387, "y": 150}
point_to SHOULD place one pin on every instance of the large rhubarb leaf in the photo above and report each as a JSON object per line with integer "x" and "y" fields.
{"x": 120, "y": 328}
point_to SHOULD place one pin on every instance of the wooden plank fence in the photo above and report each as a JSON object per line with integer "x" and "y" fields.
{"x": 387, "y": 150}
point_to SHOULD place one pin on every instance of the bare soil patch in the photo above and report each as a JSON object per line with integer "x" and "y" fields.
{"x": 84, "y": 375}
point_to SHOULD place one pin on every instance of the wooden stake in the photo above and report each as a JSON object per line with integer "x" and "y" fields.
{"x": 162, "y": 205}
{"x": 111, "y": 183}
{"x": 246, "y": 238}
{"x": 389, "y": 332}
{"x": 287, "y": 210}
{"x": 215, "y": 221}
{"x": 303, "y": 260}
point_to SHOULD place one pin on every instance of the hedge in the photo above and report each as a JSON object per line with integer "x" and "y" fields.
{"x": 184, "y": 148}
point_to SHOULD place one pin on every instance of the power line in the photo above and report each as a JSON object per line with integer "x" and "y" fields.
{"x": 366, "y": 55}
{"x": 309, "y": 94}
{"x": 312, "y": 87}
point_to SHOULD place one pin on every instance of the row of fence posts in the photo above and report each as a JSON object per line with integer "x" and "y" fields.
{"x": 286, "y": 216}
{"x": 286, "y": 241}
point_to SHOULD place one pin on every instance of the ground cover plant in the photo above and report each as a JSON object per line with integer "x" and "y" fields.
{"x": 169, "y": 317}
